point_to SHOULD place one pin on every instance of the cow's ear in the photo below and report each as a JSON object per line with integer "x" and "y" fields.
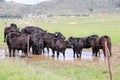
{"x": 46, "y": 31}
{"x": 71, "y": 37}
{"x": 88, "y": 38}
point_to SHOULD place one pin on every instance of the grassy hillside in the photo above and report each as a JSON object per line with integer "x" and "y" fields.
{"x": 60, "y": 7}
{"x": 79, "y": 6}
{"x": 11, "y": 9}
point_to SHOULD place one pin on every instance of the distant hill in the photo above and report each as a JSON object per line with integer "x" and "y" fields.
{"x": 2, "y": 0}
{"x": 62, "y": 7}
{"x": 11, "y": 10}
{"x": 59, "y": 7}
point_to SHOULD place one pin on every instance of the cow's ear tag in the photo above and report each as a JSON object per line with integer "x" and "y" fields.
{"x": 56, "y": 34}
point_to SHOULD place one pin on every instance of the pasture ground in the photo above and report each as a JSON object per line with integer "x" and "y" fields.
{"x": 24, "y": 69}
{"x": 50, "y": 69}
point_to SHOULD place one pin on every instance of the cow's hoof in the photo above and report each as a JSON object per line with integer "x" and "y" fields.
{"x": 78, "y": 56}
{"x": 53, "y": 56}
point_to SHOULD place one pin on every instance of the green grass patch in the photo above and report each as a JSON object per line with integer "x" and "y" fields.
{"x": 44, "y": 70}
{"x": 78, "y": 27}
{"x": 19, "y": 70}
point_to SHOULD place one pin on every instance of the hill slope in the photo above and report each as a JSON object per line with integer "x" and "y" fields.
{"x": 13, "y": 9}
{"x": 60, "y": 7}
{"x": 78, "y": 6}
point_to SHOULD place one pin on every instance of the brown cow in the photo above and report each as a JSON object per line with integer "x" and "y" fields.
{"x": 17, "y": 41}
{"x": 99, "y": 43}
{"x": 59, "y": 45}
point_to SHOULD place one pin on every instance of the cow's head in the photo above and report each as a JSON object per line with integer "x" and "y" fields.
{"x": 60, "y": 35}
{"x": 91, "y": 38}
{"x": 70, "y": 39}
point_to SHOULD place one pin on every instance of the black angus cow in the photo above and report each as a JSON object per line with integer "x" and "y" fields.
{"x": 80, "y": 43}
{"x": 17, "y": 41}
{"x": 99, "y": 43}
{"x": 13, "y": 25}
{"x": 11, "y": 28}
{"x": 37, "y": 42}
{"x": 87, "y": 40}
{"x": 48, "y": 37}
{"x": 32, "y": 29}
{"x": 36, "y": 34}
{"x": 41, "y": 40}
{"x": 77, "y": 44}
{"x": 59, "y": 46}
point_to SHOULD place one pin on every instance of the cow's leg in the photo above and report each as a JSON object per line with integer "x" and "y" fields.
{"x": 99, "y": 52}
{"x": 80, "y": 53}
{"x": 25, "y": 52}
{"x": 43, "y": 50}
{"x": 74, "y": 53}
{"x": 48, "y": 49}
{"x": 57, "y": 54}
{"x": 53, "y": 55}
{"x": 104, "y": 52}
{"x": 110, "y": 51}
{"x": 32, "y": 50}
{"x": 77, "y": 54}
{"x": 4, "y": 37}
{"x": 40, "y": 51}
{"x": 13, "y": 52}
{"x": 64, "y": 54}
{"x": 92, "y": 52}
{"x": 36, "y": 50}
{"x": 96, "y": 53}
{"x": 9, "y": 52}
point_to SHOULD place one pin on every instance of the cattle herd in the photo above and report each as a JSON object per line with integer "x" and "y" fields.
{"x": 37, "y": 39}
